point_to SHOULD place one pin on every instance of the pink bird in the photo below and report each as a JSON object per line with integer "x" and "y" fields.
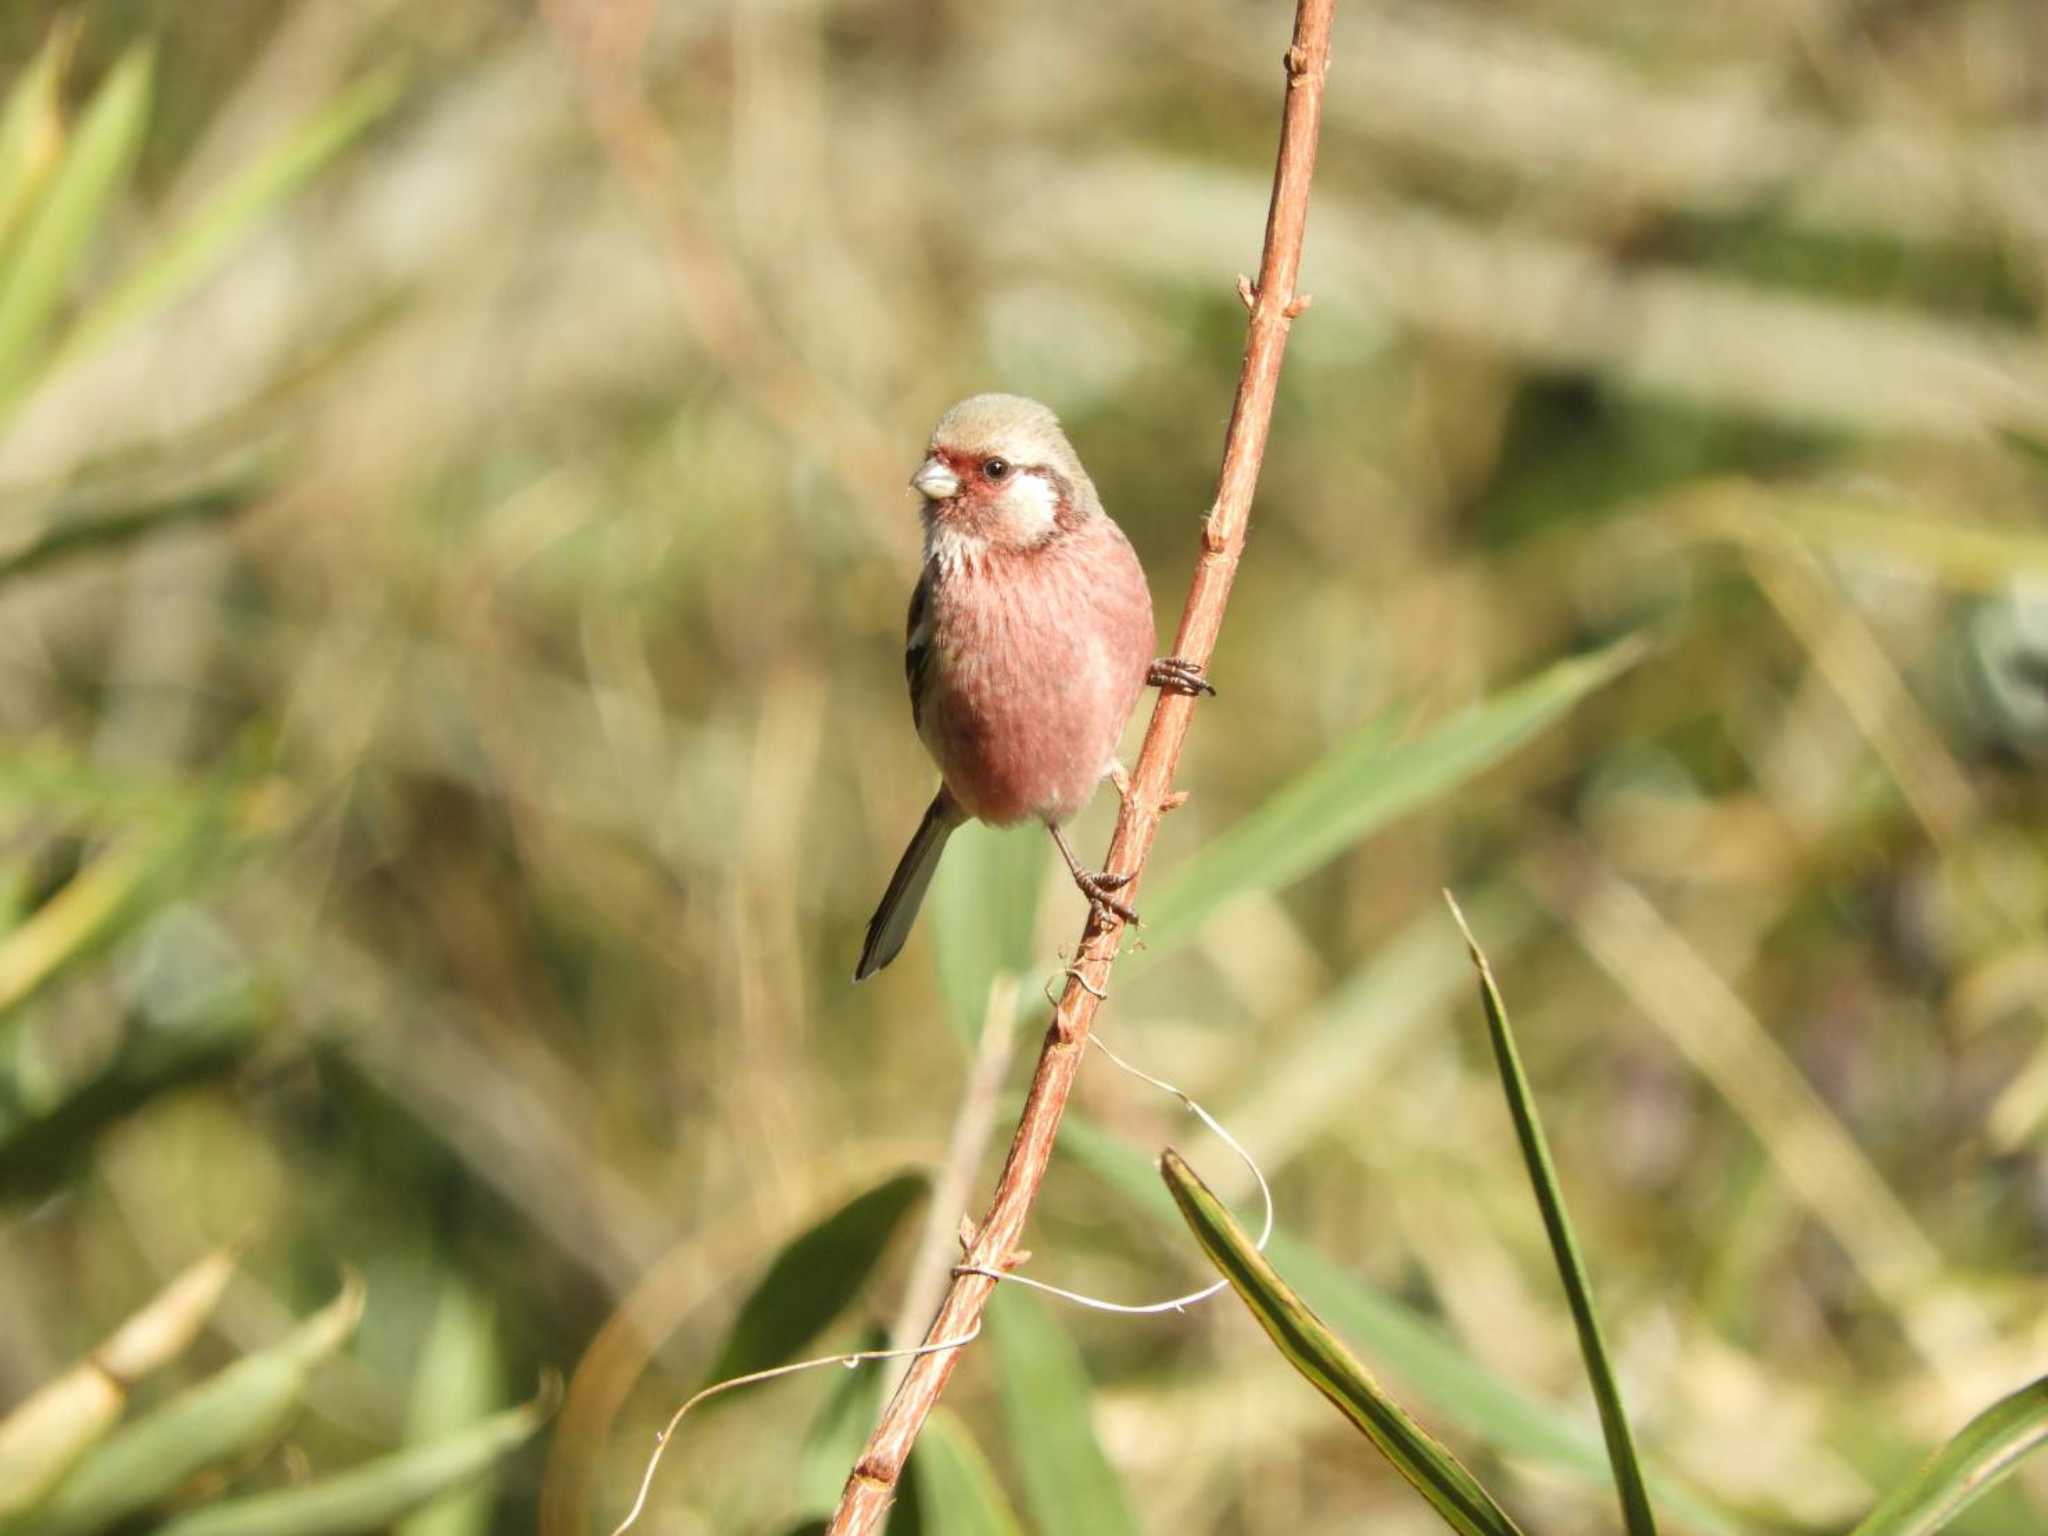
{"x": 1030, "y": 638}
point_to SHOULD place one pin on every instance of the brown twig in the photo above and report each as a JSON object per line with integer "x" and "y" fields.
{"x": 1273, "y": 304}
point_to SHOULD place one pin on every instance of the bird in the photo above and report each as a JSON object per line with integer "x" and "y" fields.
{"x": 1028, "y": 641}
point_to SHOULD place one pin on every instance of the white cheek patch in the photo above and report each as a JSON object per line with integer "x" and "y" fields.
{"x": 1031, "y": 503}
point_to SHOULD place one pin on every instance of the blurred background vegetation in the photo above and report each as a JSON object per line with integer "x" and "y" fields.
{"x": 453, "y": 548}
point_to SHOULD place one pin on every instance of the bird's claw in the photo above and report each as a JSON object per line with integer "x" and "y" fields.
{"x": 1097, "y": 888}
{"x": 1173, "y": 674}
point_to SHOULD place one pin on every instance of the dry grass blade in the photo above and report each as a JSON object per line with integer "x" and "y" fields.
{"x": 1822, "y": 1166}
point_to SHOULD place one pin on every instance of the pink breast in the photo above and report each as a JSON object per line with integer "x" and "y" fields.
{"x": 1037, "y": 659}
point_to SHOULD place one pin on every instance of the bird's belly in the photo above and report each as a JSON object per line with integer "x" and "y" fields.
{"x": 1025, "y": 710}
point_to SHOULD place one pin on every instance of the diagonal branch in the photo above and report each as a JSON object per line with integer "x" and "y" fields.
{"x": 872, "y": 1486}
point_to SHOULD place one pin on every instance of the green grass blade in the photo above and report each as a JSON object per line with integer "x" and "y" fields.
{"x": 1409, "y": 1345}
{"x": 204, "y": 240}
{"x": 371, "y": 1496}
{"x": 814, "y": 1278}
{"x": 1637, "y": 1518}
{"x": 1366, "y": 783}
{"x": 956, "y": 1487}
{"x": 1327, "y": 1365}
{"x": 31, "y": 131}
{"x": 46, "y": 259}
{"x": 1047, "y": 1401}
{"x": 983, "y": 907}
{"x": 1986, "y": 1450}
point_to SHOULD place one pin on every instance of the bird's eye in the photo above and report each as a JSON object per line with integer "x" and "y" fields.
{"x": 995, "y": 469}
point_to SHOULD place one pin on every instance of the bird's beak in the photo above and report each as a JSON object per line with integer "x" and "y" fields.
{"x": 934, "y": 481}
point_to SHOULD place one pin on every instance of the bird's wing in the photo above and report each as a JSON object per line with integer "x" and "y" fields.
{"x": 917, "y": 647}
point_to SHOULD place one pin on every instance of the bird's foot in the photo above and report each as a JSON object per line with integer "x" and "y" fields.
{"x": 1096, "y": 885}
{"x": 1172, "y": 674}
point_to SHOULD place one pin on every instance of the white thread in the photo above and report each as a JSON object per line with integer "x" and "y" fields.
{"x": 1177, "y": 1303}
{"x": 1074, "y": 972}
{"x": 850, "y": 1361}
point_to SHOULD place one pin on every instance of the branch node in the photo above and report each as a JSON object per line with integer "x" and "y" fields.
{"x": 1248, "y": 292}
{"x": 1296, "y": 60}
{"x": 1297, "y": 304}
{"x": 1173, "y": 801}
{"x": 968, "y": 1233}
{"x": 994, "y": 1269}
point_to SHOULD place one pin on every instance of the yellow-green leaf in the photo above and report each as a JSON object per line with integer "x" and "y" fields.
{"x": 371, "y": 1496}
{"x": 45, "y": 260}
{"x": 1986, "y": 1450}
{"x": 1326, "y": 1364}
{"x": 1365, "y": 784}
{"x": 229, "y": 1415}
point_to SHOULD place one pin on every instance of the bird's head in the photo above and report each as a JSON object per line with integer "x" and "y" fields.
{"x": 1000, "y": 475}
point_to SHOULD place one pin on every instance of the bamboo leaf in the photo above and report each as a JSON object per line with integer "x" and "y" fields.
{"x": 1326, "y": 1364}
{"x": 1986, "y": 1450}
{"x": 47, "y": 1433}
{"x": 839, "y": 1432}
{"x": 231, "y": 1414}
{"x": 454, "y": 1389}
{"x": 1048, "y": 1403}
{"x": 955, "y": 1484}
{"x": 1409, "y": 1345}
{"x": 814, "y": 1278}
{"x": 197, "y": 247}
{"x": 45, "y": 260}
{"x": 44, "y": 1436}
{"x": 1366, "y": 783}
{"x": 1621, "y": 1450}
{"x": 32, "y": 131}
{"x": 153, "y": 864}
{"x": 98, "y": 902}
{"x": 371, "y": 1496}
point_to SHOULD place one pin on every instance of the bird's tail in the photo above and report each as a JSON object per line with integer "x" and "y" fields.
{"x": 890, "y": 925}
